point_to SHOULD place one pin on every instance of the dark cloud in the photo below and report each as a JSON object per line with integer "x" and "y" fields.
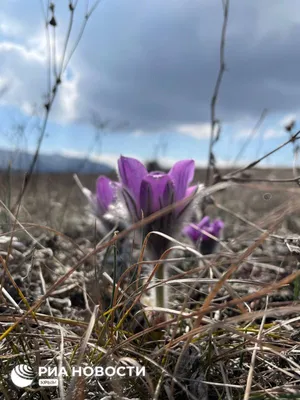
{"x": 155, "y": 65}
{"x": 158, "y": 67}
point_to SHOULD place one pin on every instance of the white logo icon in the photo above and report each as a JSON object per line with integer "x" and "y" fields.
{"x": 22, "y": 375}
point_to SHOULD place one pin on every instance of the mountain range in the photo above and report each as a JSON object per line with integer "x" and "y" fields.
{"x": 51, "y": 163}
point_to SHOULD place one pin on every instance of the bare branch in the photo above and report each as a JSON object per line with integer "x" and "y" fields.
{"x": 57, "y": 72}
{"x": 292, "y": 139}
{"x": 271, "y": 180}
{"x": 252, "y": 134}
{"x": 214, "y": 122}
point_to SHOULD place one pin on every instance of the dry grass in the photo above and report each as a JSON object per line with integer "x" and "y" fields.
{"x": 233, "y": 323}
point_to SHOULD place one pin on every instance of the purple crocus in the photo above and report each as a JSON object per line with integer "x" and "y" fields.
{"x": 147, "y": 192}
{"x": 194, "y": 232}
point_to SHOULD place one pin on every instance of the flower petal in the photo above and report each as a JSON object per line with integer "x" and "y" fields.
{"x": 189, "y": 192}
{"x": 130, "y": 204}
{"x": 155, "y": 190}
{"x": 169, "y": 194}
{"x": 192, "y": 232}
{"x": 131, "y": 173}
{"x": 214, "y": 229}
{"x": 217, "y": 226}
{"x": 182, "y": 174}
{"x": 204, "y": 223}
{"x": 105, "y": 193}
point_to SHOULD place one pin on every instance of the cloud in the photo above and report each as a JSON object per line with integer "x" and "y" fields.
{"x": 23, "y": 74}
{"x": 154, "y": 65}
{"x": 166, "y": 76}
{"x": 10, "y": 27}
{"x": 138, "y": 133}
{"x": 273, "y": 134}
{"x": 287, "y": 119}
{"x": 197, "y": 131}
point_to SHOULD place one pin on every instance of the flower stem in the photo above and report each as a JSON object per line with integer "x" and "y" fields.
{"x": 162, "y": 289}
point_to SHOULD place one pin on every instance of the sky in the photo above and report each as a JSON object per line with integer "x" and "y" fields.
{"x": 141, "y": 79}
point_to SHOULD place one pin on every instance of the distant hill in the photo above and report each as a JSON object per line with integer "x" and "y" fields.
{"x": 51, "y": 163}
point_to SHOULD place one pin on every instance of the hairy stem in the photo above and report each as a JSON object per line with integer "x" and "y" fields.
{"x": 161, "y": 290}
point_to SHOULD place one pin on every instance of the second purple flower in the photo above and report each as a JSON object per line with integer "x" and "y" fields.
{"x": 196, "y": 234}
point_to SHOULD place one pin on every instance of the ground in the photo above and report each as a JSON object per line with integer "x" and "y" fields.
{"x": 231, "y": 350}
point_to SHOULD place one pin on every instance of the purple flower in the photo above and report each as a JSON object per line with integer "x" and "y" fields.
{"x": 147, "y": 192}
{"x": 193, "y": 231}
{"x": 106, "y": 193}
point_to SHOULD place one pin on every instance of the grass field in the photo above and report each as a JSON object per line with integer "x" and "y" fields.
{"x": 232, "y": 328}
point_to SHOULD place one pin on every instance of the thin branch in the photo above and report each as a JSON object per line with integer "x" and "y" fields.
{"x": 49, "y": 61}
{"x": 52, "y": 89}
{"x": 252, "y": 134}
{"x": 289, "y": 129}
{"x": 86, "y": 18}
{"x": 292, "y": 139}
{"x": 71, "y": 20}
{"x": 271, "y": 180}
{"x": 214, "y": 122}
